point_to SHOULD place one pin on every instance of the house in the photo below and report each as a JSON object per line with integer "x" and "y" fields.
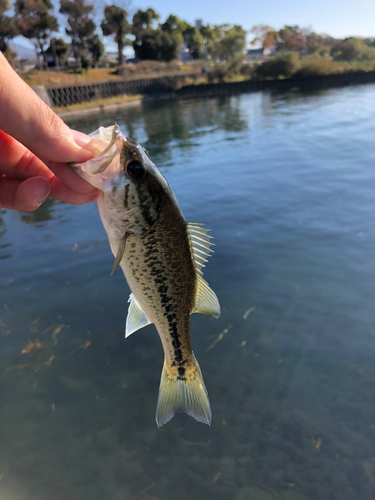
{"x": 185, "y": 55}
{"x": 257, "y": 54}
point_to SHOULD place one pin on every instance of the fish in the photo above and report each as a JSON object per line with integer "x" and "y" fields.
{"x": 162, "y": 257}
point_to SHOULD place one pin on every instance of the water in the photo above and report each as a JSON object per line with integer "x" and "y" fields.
{"x": 287, "y": 183}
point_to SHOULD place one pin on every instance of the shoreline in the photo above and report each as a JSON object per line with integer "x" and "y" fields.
{"x": 230, "y": 88}
{"x": 101, "y": 109}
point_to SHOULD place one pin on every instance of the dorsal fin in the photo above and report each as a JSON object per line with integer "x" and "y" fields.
{"x": 200, "y": 243}
{"x": 206, "y": 300}
{"x": 136, "y": 317}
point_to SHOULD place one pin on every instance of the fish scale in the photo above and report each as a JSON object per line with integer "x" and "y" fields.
{"x": 150, "y": 272}
{"x": 162, "y": 257}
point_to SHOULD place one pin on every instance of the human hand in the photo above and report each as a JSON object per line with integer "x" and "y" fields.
{"x": 35, "y": 147}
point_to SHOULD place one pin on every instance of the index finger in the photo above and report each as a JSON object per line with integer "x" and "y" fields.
{"x": 24, "y": 116}
{"x": 19, "y": 163}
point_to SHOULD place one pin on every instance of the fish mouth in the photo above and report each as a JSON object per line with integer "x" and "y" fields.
{"x": 110, "y": 141}
{"x": 107, "y": 155}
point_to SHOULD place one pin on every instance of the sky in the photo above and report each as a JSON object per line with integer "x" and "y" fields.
{"x": 338, "y": 18}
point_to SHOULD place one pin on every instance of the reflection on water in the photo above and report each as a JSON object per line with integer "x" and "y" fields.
{"x": 4, "y": 248}
{"x": 159, "y": 126}
{"x": 3, "y": 229}
{"x": 43, "y": 214}
{"x": 287, "y": 183}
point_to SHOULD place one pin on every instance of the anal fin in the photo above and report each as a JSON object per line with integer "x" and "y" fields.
{"x": 136, "y": 318}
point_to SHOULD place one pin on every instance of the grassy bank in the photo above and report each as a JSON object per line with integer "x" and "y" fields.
{"x": 288, "y": 65}
{"x": 283, "y": 65}
{"x": 145, "y": 69}
{"x": 47, "y": 78}
{"x": 99, "y": 102}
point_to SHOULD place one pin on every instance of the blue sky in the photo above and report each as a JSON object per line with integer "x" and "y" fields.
{"x": 339, "y": 18}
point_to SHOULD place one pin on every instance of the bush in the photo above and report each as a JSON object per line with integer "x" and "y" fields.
{"x": 354, "y": 49}
{"x": 317, "y": 65}
{"x": 284, "y": 65}
{"x": 224, "y": 71}
{"x": 249, "y": 70}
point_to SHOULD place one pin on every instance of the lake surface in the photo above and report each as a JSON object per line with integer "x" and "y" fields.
{"x": 287, "y": 183}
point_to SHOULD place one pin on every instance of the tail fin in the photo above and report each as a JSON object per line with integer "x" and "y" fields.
{"x": 187, "y": 394}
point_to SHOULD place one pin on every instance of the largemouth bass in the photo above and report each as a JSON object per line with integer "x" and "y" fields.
{"x": 162, "y": 257}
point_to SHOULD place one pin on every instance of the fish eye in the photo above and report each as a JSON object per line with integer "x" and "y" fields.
{"x": 135, "y": 170}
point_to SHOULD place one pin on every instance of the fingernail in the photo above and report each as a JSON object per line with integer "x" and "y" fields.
{"x": 86, "y": 142}
{"x": 81, "y": 139}
{"x": 43, "y": 197}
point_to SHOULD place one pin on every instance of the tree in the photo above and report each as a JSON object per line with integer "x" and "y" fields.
{"x": 116, "y": 23}
{"x": 34, "y": 21}
{"x": 226, "y": 42}
{"x": 96, "y": 49}
{"x": 143, "y": 20}
{"x": 157, "y": 45}
{"x": 233, "y": 42}
{"x": 194, "y": 41}
{"x": 321, "y": 45}
{"x": 7, "y": 27}
{"x": 353, "y": 49}
{"x": 81, "y": 25}
{"x": 184, "y": 32}
{"x": 223, "y": 42}
{"x": 296, "y": 39}
{"x": 59, "y": 49}
{"x": 174, "y": 25}
{"x": 209, "y": 40}
{"x": 264, "y": 35}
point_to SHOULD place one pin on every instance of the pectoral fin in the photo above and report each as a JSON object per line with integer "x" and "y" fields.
{"x": 206, "y": 301}
{"x": 120, "y": 253}
{"x": 136, "y": 317}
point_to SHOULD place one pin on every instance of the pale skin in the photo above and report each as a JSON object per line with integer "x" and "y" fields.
{"x": 35, "y": 149}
